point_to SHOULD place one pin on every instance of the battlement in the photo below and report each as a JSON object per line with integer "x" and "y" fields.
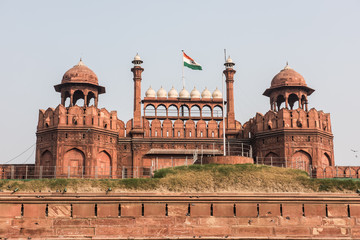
{"x": 181, "y": 128}
{"x": 76, "y": 116}
{"x": 288, "y": 119}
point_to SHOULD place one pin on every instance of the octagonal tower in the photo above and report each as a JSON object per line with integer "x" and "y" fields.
{"x": 78, "y": 139}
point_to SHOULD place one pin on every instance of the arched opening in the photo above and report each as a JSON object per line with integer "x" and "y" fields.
{"x": 149, "y": 110}
{"x": 273, "y": 159}
{"x": 184, "y": 111}
{"x": 67, "y": 99}
{"x": 161, "y": 111}
{"x": 74, "y": 162}
{"x": 293, "y": 98}
{"x": 206, "y": 111}
{"x": 78, "y": 98}
{"x": 172, "y": 111}
{"x": 303, "y": 101}
{"x": 195, "y": 111}
{"x": 104, "y": 164}
{"x": 217, "y": 111}
{"x": 279, "y": 101}
{"x": 46, "y": 163}
{"x": 90, "y": 99}
{"x": 301, "y": 160}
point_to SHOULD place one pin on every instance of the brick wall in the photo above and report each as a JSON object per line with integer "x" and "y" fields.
{"x": 180, "y": 216}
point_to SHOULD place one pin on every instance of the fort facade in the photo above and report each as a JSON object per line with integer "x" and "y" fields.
{"x": 78, "y": 139}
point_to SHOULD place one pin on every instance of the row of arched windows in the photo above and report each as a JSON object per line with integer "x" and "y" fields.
{"x": 289, "y": 102}
{"x": 184, "y": 111}
{"x": 79, "y": 98}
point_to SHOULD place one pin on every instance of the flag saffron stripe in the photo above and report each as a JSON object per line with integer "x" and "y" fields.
{"x": 186, "y": 56}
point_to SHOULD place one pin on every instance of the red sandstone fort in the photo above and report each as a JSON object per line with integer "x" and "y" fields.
{"x": 171, "y": 129}
{"x": 78, "y": 139}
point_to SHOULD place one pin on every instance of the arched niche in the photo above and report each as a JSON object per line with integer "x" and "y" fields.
{"x": 273, "y": 159}
{"x": 47, "y": 165}
{"x": 325, "y": 160}
{"x": 74, "y": 162}
{"x": 301, "y": 160}
{"x": 103, "y": 163}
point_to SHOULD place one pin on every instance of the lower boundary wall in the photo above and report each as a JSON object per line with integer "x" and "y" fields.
{"x": 179, "y": 216}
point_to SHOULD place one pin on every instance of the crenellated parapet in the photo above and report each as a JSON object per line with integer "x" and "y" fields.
{"x": 80, "y": 117}
{"x": 298, "y": 119}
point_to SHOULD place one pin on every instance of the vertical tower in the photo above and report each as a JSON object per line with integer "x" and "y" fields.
{"x": 77, "y": 139}
{"x": 230, "y": 114}
{"x": 137, "y": 128}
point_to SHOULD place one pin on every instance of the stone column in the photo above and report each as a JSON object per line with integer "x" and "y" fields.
{"x": 230, "y": 113}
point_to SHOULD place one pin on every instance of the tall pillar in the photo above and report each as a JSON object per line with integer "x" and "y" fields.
{"x": 230, "y": 110}
{"x": 137, "y": 128}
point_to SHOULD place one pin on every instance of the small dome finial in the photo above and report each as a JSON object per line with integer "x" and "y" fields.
{"x": 229, "y": 63}
{"x": 287, "y": 66}
{"x": 80, "y": 63}
{"x": 137, "y": 60}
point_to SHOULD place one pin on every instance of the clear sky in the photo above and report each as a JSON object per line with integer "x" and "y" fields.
{"x": 40, "y": 40}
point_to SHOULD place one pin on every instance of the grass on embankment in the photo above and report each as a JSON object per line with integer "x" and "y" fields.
{"x": 195, "y": 178}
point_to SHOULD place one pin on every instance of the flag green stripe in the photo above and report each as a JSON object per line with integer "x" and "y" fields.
{"x": 194, "y": 67}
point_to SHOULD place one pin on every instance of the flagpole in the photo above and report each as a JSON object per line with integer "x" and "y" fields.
{"x": 223, "y": 112}
{"x": 223, "y": 95}
{"x": 182, "y": 61}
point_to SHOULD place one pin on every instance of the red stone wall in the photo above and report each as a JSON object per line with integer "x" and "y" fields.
{"x": 261, "y": 216}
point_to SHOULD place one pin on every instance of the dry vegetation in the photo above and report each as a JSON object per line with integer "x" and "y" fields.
{"x": 195, "y": 178}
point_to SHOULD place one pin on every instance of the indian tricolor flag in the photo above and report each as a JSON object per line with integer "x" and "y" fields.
{"x": 190, "y": 63}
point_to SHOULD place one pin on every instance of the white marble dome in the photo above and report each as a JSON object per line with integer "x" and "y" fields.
{"x": 137, "y": 57}
{"x": 217, "y": 93}
{"x": 150, "y": 92}
{"x": 206, "y": 93}
{"x": 173, "y": 93}
{"x": 184, "y": 93}
{"x": 229, "y": 60}
{"x": 195, "y": 93}
{"x": 161, "y": 93}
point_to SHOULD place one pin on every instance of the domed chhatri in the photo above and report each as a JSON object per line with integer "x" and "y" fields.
{"x": 195, "y": 93}
{"x": 150, "y": 93}
{"x": 80, "y": 74}
{"x": 217, "y": 94}
{"x": 161, "y": 93}
{"x": 206, "y": 93}
{"x": 173, "y": 93}
{"x": 288, "y": 77}
{"x": 184, "y": 93}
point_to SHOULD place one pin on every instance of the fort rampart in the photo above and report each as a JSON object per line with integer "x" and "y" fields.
{"x": 183, "y": 216}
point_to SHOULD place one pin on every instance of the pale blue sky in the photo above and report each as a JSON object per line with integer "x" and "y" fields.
{"x": 40, "y": 40}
